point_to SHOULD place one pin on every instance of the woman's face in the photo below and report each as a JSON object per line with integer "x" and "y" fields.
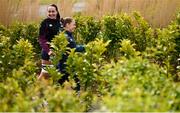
{"x": 71, "y": 26}
{"x": 51, "y": 12}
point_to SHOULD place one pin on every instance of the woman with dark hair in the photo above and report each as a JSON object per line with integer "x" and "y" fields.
{"x": 49, "y": 27}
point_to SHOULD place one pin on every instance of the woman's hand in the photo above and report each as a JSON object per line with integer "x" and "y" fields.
{"x": 50, "y": 52}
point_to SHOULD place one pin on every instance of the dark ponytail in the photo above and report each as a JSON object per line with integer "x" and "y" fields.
{"x": 58, "y": 14}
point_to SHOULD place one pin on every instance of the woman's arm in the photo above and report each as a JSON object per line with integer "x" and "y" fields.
{"x": 42, "y": 37}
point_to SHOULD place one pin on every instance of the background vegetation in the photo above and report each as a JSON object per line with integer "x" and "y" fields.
{"x": 128, "y": 65}
{"x": 158, "y": 13}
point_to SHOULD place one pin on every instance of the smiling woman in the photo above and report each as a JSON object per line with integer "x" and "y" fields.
{"x": 52, "y": 12}
{"x": 48, "y": 29}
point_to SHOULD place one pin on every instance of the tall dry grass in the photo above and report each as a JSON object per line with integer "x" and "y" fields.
{"x": 18, "y": 10}
{"x": 66, "y": 7}
{"x": 158, "y": 13}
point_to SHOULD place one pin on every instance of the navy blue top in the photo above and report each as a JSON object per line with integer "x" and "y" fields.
{"x": 72, "y": 44}
{"x": 70, "y": 39}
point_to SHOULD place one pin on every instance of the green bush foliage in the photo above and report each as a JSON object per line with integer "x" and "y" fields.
{"x": 140, "y": 86}
{"x": 116, "y": 28}
{"x": 27, "y": 31}
{"x": 127, "y": 66}
{"x": 88, "y": 28}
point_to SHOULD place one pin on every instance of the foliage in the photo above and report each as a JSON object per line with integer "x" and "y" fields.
{"x": 58, "y": 46}
{"x": 127, "y": 49}
{"x": 116, "y": 28}
{"x": 18, "y": 56}
{"x": 143, "y": 33}
{"x": 27, "y": 31}
{"x": 5, "y": 48}
{"x": 88, "y": 28}
{"x": 86, "y": 65}
{"x": 139, "y": 85}
{"x": 127, "y": 66}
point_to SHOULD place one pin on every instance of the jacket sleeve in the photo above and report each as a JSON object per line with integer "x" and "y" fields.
{"x": 42, "y": 37}
{"x": 80, "y": 48}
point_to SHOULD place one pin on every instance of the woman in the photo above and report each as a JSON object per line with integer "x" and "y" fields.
{"x": 48, "y": 29}
{"x": 69, "y": 26}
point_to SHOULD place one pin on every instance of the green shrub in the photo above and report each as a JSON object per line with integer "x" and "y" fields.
{"x": 86, "y": 65}
{"x": 127, "y": 49}
{"x": 14, "y": 99}
{"x": 5, "y": 57}
{"x": 116, "y": 28}
{"x": 16, "y": 57}
{"x": 127, "y": 66}
{"x": 87, "y": 29}
{"x": 27, "y": 31}
{"x": 138, "y": 85}
{"x": 143, "y": 34}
